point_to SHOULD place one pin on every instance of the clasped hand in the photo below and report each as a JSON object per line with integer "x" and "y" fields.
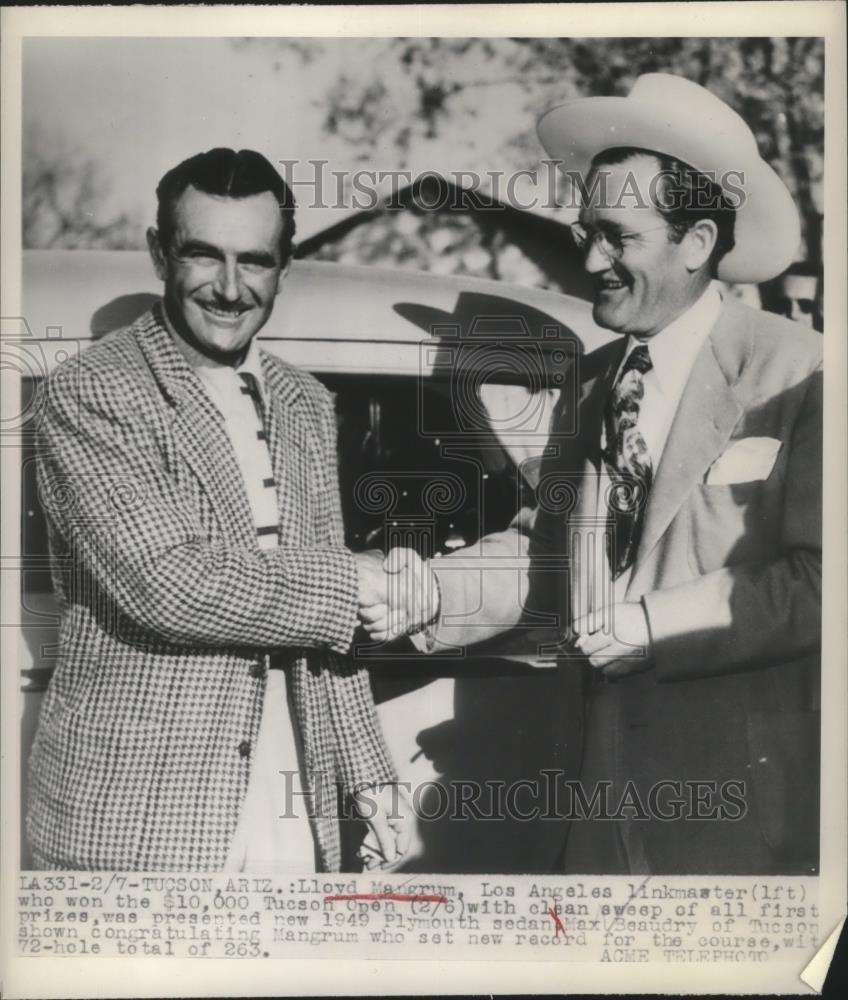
{"x": 618, "y": 645}
{"x": 397, "y": 595}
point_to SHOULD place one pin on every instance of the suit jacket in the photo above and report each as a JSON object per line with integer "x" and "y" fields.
{"x": 171, "y": 613}
{"x": 730, "y": 578}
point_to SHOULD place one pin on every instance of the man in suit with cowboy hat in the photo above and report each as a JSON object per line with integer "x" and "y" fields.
{"x": 203, "y": 712}
{"x": 698, "y": 456}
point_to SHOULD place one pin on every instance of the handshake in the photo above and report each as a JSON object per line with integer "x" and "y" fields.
{"x": 398, "y": 594}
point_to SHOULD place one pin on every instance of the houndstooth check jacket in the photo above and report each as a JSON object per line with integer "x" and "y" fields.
{"x": 170, "y": 610}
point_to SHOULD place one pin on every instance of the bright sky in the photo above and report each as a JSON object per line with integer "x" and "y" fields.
{"x": 140, "y": 105}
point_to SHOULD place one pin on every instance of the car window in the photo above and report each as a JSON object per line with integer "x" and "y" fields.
{"x": 412, "y": 471}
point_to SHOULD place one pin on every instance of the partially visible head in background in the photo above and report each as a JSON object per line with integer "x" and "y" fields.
{"x": 799, "y": 295}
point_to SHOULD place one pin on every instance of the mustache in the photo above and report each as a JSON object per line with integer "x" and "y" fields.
{"x": 228, "y": 307}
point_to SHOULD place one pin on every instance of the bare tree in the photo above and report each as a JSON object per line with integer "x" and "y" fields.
{"x": 63, "y": 200}
{"x": 404, "y": 94}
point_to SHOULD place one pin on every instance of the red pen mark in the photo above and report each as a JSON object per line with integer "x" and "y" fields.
{"x": 558, "y": 924}
{"x": 395, "y": 897}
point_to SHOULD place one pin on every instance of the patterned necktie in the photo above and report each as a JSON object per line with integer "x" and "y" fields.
{"x": 628, "y": 459}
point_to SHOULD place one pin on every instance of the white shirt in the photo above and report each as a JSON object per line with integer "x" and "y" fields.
{"x": 224, "y": 387}
{"x": 264, "y": 840}
{"x": 672, "y": 352}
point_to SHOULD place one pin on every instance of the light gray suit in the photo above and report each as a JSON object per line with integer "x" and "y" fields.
{"x": 729, "y": 575}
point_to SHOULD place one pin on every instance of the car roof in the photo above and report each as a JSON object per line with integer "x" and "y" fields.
{"x": 329, "y": 316}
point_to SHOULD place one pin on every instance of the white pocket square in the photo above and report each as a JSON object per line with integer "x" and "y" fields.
{"x": 745, "y": 461}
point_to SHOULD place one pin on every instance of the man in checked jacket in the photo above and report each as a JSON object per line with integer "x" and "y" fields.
{"x": 203, "y": 703}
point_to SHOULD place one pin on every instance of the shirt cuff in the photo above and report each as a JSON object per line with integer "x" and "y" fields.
{"x": 424, "y": 636}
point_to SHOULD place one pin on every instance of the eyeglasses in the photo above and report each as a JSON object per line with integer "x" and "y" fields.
{"x": 611, "y": 245}
{"x": 806, "y": 306}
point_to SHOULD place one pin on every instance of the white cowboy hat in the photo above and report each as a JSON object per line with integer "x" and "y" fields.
{"x": 672, "y": 115}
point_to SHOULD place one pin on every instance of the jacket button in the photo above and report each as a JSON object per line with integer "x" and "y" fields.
{"x": 256, "y": 670}
{"x": 244, "y": 748}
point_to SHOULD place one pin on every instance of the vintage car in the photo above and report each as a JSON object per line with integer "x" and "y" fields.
{"x": 443, "y": 389}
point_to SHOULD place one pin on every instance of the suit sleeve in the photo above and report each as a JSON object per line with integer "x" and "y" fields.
{"x": 760, "y": 613}
{"x": 121, "y": 518}
{"x": 503, "y": 580}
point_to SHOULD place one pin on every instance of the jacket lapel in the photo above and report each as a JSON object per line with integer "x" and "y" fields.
{"x": 585, "y": 457}
{"x": 291, "y": 459}
{"x": 199, "y": 431}
{"x": 706, "y": 415}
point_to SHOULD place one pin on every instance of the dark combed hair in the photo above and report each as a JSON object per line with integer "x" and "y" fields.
{"x": 684, "y": 196}
{"x": 229, "y": 173}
